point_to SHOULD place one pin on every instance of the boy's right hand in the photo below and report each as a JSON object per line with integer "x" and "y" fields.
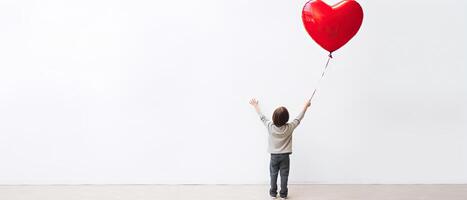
{"x": 308, "y": 103}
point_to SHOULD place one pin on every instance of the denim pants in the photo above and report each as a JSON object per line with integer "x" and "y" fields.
{"x": 279, "y": 163}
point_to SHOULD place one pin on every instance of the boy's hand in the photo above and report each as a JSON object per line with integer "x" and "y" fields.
{"x": 308, "y": 103}
{"x": 254, "y": 102}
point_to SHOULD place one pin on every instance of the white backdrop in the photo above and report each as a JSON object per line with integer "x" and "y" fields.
{"x": 114, "y": 91}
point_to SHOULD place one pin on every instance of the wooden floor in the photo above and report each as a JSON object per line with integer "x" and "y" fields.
{"x": 231, "y": 192}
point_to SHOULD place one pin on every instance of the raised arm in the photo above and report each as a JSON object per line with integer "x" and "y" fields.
{"x": 263, "y": 118}
{"x": 300, "y": 116}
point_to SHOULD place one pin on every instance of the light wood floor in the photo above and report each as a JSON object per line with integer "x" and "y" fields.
{"x": 231, "y": 192}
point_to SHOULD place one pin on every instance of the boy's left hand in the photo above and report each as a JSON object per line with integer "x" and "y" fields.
{"x": 254, "y": 102}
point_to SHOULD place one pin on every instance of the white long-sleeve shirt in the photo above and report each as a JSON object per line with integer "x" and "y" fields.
{"x": 280, "y": 138}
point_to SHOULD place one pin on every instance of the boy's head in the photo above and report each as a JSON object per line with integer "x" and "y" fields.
{"x": 280, "y": 116}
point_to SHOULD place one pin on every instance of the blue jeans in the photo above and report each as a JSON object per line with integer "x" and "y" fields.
{"x": 279, "y": 163}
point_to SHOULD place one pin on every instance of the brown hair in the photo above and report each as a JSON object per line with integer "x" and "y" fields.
{"x": 280, "y": 116}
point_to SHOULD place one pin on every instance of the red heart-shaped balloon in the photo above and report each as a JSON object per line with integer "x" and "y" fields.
{"x": 332, "y": 27}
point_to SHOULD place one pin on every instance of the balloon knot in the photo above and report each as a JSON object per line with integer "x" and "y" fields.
{"x": 330, "y": 54}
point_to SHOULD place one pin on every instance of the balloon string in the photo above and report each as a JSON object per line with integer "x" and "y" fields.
{"x": 322, "y": 75}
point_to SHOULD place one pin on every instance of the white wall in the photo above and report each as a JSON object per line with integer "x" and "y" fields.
{"x": 99, "y": 91}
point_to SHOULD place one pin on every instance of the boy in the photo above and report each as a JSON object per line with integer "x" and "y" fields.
{"x": 280, "y": 144}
